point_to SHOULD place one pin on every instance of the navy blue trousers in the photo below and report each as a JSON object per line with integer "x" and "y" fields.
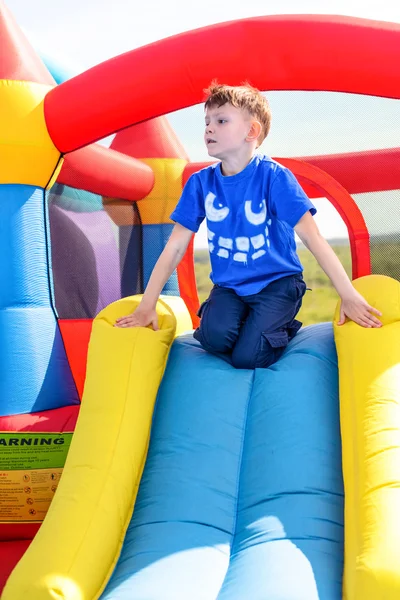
{"x": 251, "y": 331}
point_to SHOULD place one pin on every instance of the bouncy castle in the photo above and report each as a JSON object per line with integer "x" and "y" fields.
{"x": 134, "y": 465}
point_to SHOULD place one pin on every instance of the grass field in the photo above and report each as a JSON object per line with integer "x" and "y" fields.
{"x": 318, "y": 304}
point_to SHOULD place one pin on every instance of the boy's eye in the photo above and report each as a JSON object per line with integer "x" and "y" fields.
{"x": 221, "y": 120}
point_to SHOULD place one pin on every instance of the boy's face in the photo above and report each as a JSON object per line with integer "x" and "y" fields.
{"x": 226, "y": 130}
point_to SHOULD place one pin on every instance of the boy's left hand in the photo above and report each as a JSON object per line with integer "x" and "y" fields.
{"x": 356, "y": 308}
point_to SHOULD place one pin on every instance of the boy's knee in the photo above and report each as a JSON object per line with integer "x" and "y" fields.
{"x": 254, "y": 361}
{"x": 214, "y": 339}
{"x": 243, "y": 361}
{"x": 265, "y": 354}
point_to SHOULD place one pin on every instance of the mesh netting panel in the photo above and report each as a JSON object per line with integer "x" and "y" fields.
{"x": 318, "y": 123}
{"x": 309, "y": 123}
{"x": 381, "y": 211}
{"x": 96, "y": 251}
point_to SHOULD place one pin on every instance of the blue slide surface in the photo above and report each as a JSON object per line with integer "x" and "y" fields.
{"x": 242, "y": 493}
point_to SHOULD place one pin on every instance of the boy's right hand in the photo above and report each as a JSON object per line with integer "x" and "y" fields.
{"x": 141, "y": 317}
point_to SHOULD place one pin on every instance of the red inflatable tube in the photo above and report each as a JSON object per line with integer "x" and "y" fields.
{"x": 107, "y": 172}
{"x": 342, "y": 54}
{"x": 358, "y": 172}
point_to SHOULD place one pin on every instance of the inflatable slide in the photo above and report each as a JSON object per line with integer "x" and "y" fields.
{"x": 241, "y": 495}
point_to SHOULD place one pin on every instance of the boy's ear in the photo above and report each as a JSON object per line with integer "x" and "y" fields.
{"x": 254, "y": 132}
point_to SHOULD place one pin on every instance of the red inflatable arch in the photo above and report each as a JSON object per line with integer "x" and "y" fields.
{"x": 341, "y": 54}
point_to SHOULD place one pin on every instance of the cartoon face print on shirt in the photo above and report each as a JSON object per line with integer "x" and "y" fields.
{"x": 251, "y": 231}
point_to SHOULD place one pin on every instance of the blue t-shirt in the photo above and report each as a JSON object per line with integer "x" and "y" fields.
{"x": 250, "y": 220}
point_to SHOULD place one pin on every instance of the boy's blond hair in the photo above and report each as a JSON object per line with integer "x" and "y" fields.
{"x": 242, "y": 96}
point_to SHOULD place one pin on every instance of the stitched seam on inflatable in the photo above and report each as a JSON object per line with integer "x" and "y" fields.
{"x": 239, "y": 477}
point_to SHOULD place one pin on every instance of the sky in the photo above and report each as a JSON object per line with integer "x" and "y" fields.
{"x": 82, "y": 33}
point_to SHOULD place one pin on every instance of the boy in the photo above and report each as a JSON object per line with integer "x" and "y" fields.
{"x": 253, "y": 206}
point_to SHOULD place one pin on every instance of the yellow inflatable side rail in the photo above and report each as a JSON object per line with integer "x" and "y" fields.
{"x": 369, "y": 379}
{"x": 76, "y": 549}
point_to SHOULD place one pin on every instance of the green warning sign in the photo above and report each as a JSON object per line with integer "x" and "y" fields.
{"x": 33, "y": 450}
{"x": 31, "y": 466}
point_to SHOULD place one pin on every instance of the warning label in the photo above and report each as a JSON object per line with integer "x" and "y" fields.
{"x": 30, "y": 469}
